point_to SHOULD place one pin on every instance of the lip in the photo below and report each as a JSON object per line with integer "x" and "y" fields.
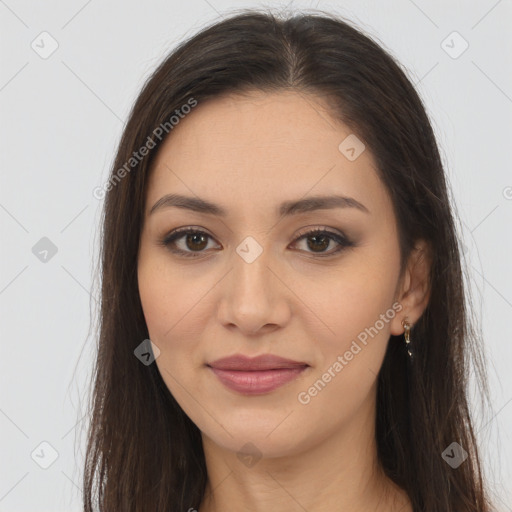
{"x": 239, "y": 362}
{"x": 257, "y": 375}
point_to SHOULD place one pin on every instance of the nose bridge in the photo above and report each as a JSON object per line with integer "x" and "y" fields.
{"x": 251, "y": 273}
{"x": 252, "y": 297}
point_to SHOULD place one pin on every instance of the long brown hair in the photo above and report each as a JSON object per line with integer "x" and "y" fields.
{"x": 143, "y": 452}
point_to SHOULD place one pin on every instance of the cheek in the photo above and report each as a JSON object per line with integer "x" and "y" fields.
{"x": 165, "y": 301}
{"x": 357, "y": 308}
{"x": 176, "y": 309}
{"x": 158, "y": 304}
{"x": 170, "y": 298}
{"x": 353, "y": 298}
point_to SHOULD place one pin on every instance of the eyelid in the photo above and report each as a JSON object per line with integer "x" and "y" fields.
{"x": 320, "y": 229}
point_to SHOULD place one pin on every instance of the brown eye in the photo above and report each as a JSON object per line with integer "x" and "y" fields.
{"x": 318, "y": 240}
{"x": 196, "y": 241}
{"x": 187, "y": 242}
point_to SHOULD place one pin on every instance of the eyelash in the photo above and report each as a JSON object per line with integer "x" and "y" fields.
{"x": 177, "y": 234}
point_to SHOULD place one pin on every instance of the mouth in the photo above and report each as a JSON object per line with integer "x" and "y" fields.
{"x": 239, "y": 362}
{"x": 258, "y": 375}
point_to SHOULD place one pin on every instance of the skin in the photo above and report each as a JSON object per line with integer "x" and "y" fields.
{"x": 248, "y": 154}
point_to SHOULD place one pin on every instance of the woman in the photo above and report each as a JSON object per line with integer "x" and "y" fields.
{"x": 283, "y": 318}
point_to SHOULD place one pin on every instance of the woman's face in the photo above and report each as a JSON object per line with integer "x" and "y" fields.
{"x": 249, "y": 284}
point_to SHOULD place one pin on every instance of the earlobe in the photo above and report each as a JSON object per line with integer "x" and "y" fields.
{"x": 414, "y": 294}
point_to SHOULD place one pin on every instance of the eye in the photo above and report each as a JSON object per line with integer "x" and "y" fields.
{"x": 190, "y": 243}
{"x": 319, "y": 239}
{"x": 195, "y": 240}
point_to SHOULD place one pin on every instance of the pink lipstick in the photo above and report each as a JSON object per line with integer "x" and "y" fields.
{"x": 257, "y": 375}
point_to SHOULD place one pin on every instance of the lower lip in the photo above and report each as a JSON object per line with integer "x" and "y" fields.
{"x": 257, "y": 382}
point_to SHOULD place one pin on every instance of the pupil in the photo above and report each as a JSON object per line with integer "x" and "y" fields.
{"x": 194, "y": 239}
{"x": 323, "y": 237}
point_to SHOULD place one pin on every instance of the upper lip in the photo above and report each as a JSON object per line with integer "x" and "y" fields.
{"x": 263, "y": 362}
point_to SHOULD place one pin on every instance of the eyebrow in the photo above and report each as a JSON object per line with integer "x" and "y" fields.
{"x": 286, "y": 208}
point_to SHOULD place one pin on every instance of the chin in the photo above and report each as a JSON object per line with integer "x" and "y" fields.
{"x": 256, "y": 441}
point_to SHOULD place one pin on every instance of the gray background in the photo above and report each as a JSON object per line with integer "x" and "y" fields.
{"x": 61, "y": 118}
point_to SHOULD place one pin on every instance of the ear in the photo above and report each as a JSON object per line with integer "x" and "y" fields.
{"x": 414, "y": 287}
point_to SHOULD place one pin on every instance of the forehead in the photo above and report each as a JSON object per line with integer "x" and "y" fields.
{"x": 288, "y": 124}
{"x": 263, "y": 147}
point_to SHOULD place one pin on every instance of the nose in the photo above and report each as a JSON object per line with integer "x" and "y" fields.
{"x": 254, "y": 297}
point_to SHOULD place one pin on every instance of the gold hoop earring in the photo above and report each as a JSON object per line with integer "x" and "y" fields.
{"x": 407, "y": 336}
